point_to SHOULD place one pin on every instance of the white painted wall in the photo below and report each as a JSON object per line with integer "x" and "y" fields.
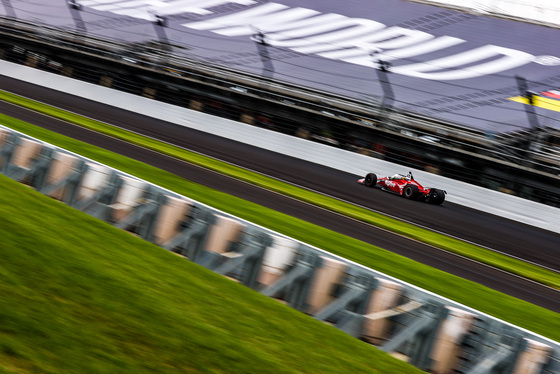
{"x": 479, "y": 198}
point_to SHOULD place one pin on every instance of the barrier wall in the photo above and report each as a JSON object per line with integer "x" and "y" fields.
{"x": 494, "y": 202}
{"x": 433, "y": 333}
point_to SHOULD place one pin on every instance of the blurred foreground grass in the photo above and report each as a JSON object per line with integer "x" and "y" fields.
{"x": 80, "y": 296}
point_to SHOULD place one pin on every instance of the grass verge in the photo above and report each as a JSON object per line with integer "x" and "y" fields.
{"x": 80, "y": 296}
{"x": 515, "y": 311}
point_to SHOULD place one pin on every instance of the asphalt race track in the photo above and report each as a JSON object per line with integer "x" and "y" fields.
{"x": 507, "y": 236}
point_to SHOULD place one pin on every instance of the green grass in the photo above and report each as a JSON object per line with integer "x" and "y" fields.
{"x": 515, "y": 311}
{"x": 494, "y": 259}
{"x": 80, "y": 296}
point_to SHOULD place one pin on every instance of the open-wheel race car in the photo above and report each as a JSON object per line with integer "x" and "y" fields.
{"x": 406, "y": 186}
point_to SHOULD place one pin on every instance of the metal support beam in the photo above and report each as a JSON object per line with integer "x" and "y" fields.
{"x": 7, "y": 151}
{"x": 262, "y": 47}
{"x": 354, "y": 296}
{"x": 70, "y": 183}
{"x": 388, "y": 94}
{"x": 493, "y": 360}
{"x": 553, "y": 364}
{"x": 160, "y": 23}
{"x": 9, "y": 9}
{"x": 294, "y": 285}
{"x": 75, "y": 9}
{"x": 37, "y": 170}
{"x": 351, "y": 323}
{"x": 143, "y": 217}
{"x": 247, "y": 264}
{"x": 491, "y": 348}
{"x": 347, "y": 311}
{"x": 99, "y": 204}
{"x": 382, "y": 70}
{"x": 191, "y": 241}
{"x": 529, "y": 109}
{"x": 418, "y": 338}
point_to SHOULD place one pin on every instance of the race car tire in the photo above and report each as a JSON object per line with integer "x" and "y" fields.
{"x": 411, "y": 192}
{"x": 370, "y": 180}
{"x": 436, "y": 197}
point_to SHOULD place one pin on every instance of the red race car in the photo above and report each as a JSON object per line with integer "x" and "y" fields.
{"x": 406, "y": 186}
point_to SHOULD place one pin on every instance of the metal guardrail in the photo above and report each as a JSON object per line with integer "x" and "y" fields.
{"x": 433, "y": 333}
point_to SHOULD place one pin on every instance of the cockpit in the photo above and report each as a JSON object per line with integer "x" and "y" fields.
{"x": 401, "y": 177}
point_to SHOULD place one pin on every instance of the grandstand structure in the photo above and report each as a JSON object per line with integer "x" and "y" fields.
{"x": 503, "y": 137}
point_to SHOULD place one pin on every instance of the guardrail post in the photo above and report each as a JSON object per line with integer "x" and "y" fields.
{"x": 70, "y": 183}
{"x": 418, "y": 338}
{"x": 246, "y": 262}
{"x": 99, "y": 204}
{"x": 143, "y": 216}
{"x": 501, "y": 358}
{"x": 348, "y": 309}
{"x": 191, "y": 241}
{"x": 37, "y": 169}
{"x": 294, "y": 286}
{"x": 491, "y": 347}
{"x": 7, "y": 151}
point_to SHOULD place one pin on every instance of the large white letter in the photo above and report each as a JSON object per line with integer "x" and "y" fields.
{"x": 363, "y": 57}
{"x": 325, "y": 34}
{"x": 145, "y": 9}
{"x": 458, "y": 66}
{"x": 370, "y": 39}
{"x": 282, "y": 20}
{"x": 244, "y": 18}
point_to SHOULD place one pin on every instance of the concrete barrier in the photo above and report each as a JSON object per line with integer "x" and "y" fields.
{"x": 61, "y": 167}
{"x": 277, "y": 259}
{"x": 447, "y": 349}
{"x": 171, "y": 218}
{"x": 326, "y": 278}
{"x": 96, "y": 177}
{"x": 127, "y": 198}
{"x": 384, "y": 299}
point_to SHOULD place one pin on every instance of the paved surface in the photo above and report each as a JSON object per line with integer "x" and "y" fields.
{"x": 511, "y": 237}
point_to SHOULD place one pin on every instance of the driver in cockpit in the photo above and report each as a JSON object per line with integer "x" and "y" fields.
{"x": 401, "y": 177}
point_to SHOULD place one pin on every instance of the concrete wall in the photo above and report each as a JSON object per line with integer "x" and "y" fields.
{"x": 475, "y": 197}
